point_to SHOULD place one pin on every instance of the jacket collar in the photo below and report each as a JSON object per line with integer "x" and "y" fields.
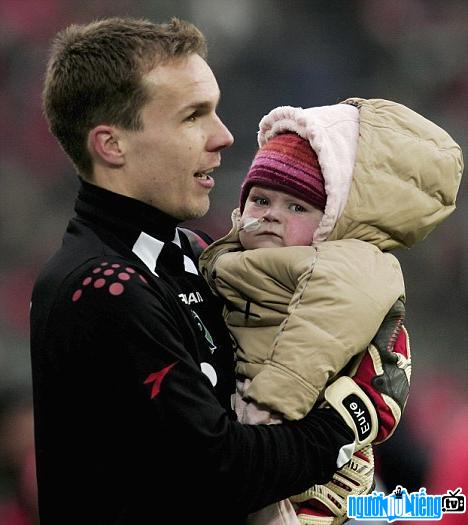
{"x": 149, "y": 233}
{"x": 124, "y": 214}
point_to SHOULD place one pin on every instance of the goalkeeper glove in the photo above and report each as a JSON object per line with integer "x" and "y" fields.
{"x": 372, "y": 398}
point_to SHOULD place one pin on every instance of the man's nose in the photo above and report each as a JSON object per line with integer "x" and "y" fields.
{"x": 221, "y": 137}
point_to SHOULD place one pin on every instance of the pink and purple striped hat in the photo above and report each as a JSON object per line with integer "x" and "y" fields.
{"x": 287, "y": 163}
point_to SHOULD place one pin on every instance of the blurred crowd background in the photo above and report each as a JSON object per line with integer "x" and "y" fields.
{"x": 265, "y": 53}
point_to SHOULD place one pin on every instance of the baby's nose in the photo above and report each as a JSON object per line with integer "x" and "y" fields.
{"x": 271, "y": 215}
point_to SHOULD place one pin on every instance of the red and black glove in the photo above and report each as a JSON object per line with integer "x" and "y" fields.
{"x": 372, "y": 398}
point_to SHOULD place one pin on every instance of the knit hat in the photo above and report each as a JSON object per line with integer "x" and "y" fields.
{"x": 287, "y": 163}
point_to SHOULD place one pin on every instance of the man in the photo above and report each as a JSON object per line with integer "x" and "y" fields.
{"x": 132, "y": 365}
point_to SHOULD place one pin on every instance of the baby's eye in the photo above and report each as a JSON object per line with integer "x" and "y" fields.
{"x": 260, "y": 201}
{"x": 297, "y": 208}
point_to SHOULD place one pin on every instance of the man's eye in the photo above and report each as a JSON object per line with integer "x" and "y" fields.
{"x": 192, "y": 117}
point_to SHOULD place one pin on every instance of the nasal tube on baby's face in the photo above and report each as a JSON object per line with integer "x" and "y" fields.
{"x": 250, "y": 224}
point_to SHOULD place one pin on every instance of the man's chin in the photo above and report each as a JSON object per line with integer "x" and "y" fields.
{"x": 196, "y": 212}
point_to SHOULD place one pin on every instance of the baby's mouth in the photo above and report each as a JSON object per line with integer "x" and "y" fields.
{"x": 271, "y": 234}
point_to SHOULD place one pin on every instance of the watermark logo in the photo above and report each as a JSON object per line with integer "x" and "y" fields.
{"x": 401, "y": 505}
{"x": 454, "y": 501}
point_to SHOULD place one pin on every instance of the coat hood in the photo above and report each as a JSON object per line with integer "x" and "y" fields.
{"x": 391, "y": 175}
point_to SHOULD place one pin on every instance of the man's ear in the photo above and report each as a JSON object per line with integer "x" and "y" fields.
{"x": 105, "y": 147}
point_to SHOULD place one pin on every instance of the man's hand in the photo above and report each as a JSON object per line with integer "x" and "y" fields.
{"x": 372, "y": 398}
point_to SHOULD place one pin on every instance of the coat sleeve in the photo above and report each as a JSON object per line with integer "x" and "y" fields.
{"x": 338, "y": 305}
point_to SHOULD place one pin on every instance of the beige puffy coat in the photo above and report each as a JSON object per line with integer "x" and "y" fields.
{"x": 300, "y": 313}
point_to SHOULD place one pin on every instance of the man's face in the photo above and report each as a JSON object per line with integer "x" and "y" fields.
{"x": 168, "y": 162}
{"x": 287, "y": 220}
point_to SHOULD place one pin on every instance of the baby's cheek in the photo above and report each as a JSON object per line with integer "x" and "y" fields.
{"x": 300, "y": 233}
{"x": 245, "y": 239}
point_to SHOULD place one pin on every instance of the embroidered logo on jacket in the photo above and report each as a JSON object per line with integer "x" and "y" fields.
{"x": 204, "y": 330}
{"x": 157, "y": 378}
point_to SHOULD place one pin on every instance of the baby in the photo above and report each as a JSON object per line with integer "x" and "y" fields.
{"x": 304, "y": 272}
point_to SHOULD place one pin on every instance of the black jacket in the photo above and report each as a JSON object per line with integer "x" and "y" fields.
{"x": 133, "y": 375}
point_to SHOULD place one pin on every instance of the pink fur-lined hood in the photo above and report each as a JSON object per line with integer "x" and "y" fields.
{"x": 390, "y": 174}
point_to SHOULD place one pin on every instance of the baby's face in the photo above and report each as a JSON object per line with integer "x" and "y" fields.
{"x": 286, "y": 220}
